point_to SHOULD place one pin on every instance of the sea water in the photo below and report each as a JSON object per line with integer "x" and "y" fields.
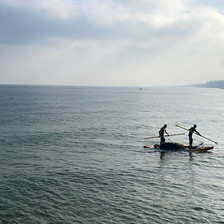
{"x": 75, "y": 155}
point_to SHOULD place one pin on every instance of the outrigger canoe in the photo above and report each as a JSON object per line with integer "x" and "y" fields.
{"x": 179, "y": 147}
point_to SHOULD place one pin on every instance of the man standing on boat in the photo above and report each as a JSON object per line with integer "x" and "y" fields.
{"x": 161, "y": 134}
{"x": 191, "y": 131}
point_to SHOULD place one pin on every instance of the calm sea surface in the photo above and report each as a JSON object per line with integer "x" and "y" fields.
{"x": 75, "y": 155}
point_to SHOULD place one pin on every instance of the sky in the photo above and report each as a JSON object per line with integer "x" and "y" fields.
{"x": 111, "y": 42}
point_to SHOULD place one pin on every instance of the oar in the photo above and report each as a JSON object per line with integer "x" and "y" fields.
{"x": 165, "y": 136}
{"x": 196, "y": 134}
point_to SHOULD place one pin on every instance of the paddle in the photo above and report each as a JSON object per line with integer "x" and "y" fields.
{"x": 165, "y": 136}
{"x": 196, "y": 134}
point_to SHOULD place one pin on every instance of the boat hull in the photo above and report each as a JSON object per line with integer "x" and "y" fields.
{"x": 174, "y": 146}
{"x": 200, "y": 149}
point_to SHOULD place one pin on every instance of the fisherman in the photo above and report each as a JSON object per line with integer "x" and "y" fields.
{"x": 161, "y": 134}
{"x": 191, "y": 131}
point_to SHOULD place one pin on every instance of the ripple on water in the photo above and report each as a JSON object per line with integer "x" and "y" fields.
{"x": 75, "y": 155}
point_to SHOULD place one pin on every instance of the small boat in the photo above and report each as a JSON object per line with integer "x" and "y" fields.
{"x": 200, "y": 149}
{"x": 174, "y": 146}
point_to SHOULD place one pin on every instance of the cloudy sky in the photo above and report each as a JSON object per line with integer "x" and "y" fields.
{"x": 111, "y": 42}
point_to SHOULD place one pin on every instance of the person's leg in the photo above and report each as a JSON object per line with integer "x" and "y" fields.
{"x": 190, "y": 142}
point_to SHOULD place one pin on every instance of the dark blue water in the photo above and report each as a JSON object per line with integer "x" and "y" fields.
{"x": 75, "y": 155}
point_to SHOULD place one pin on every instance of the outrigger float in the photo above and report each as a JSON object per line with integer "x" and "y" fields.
{"x": 175, "y": 146}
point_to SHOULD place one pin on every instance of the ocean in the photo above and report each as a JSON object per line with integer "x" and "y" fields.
{"x": 75, "y": 155}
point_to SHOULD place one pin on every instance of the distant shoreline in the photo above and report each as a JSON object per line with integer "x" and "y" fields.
{"x": 211, "y": 84}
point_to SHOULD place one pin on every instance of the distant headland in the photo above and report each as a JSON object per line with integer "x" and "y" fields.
{"x": 212, "y": 84}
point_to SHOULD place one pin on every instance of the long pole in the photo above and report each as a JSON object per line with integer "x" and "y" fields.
{"x": 164, "y": 136}
{"x": 197, "y": 134}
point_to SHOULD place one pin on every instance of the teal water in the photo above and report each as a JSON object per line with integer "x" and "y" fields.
{"x": 75, "y": 155}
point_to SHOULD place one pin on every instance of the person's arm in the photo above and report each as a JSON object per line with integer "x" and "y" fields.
{"x": 166, "y": 132}
{"x": 197, "y": 132}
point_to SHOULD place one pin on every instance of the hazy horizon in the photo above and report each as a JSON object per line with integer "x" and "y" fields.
{"x": 70, "y": 85}
{"x": 111, "y": 43}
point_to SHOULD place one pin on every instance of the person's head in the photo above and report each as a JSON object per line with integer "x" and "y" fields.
{"x": 195, "y": 126}
{"x": 165, "y": 126}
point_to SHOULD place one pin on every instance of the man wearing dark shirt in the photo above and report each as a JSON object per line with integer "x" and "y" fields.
{"x": 161, "y": 134}
{"x": 191, "y": 131}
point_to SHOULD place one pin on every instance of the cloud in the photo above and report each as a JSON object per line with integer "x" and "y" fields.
{"x": 30, "y": 22}
{"x": 23, "y": 21}
{"x": 98, "y": 42}
{"x": 63, "y": 9}
{"x": 25, "y": 26}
